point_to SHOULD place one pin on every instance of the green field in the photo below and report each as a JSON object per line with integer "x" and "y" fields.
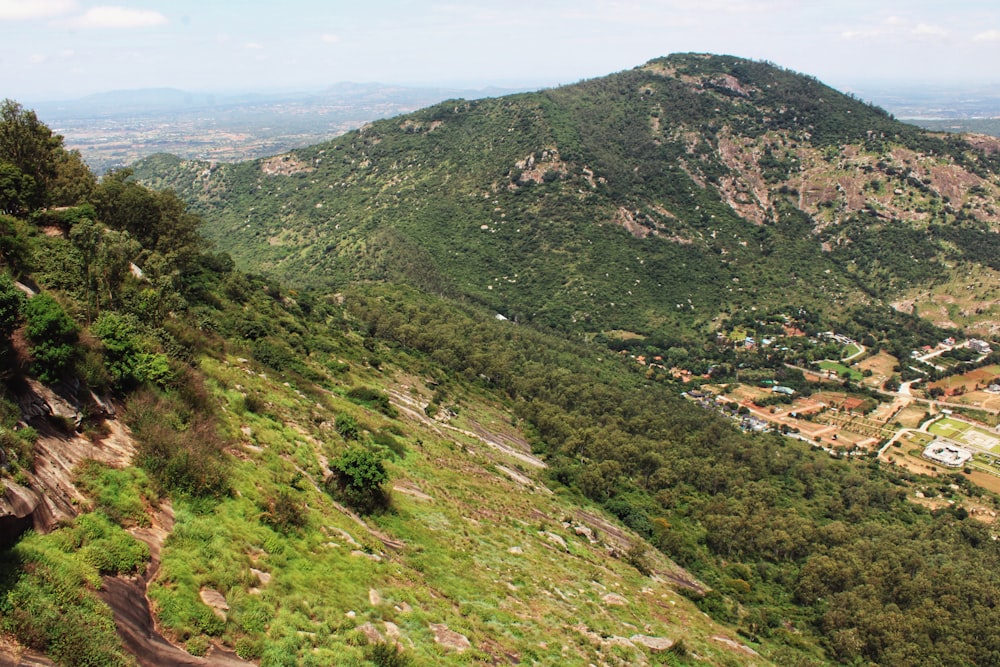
{"x": 967, "y": 434}
{"x": 850, "y": 351}
{"x": 949, "y": 428}
{"x": 841, "y": 370}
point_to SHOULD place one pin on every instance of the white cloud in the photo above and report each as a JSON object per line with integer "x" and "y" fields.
{"x": 864, "y": 33}
{"x": 895, "y": 27}
{"x": 330, "y": 39}
{"x": 120, "y": 17}
{"x": 253, "y": 46}
{"x": 988, "y": 36}
{"x": 37, "y": 59}
{"x": 926, "y": 30}
{"x": 18, "y": 10}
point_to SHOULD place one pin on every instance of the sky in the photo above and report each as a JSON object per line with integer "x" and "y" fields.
{"x": 64, "y": 49}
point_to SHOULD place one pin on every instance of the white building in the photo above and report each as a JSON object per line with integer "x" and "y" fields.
{"x": 947, "y": 454}
{"x": 980, "y": 346}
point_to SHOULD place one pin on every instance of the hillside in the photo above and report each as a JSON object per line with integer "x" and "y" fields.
{"x": 653, "y": 200}
{"x": 334, "y": 469}
{"x": 200, "y": 467}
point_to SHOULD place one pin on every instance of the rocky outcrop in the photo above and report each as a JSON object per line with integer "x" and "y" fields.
{"x": 21, "y": 508}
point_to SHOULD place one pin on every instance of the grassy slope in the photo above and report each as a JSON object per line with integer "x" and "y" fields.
{"x": 478, "y": 553}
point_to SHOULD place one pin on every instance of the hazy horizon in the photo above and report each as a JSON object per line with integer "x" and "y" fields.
{"x": 54, "y": 50}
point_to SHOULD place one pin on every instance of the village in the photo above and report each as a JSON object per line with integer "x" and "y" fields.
{"x": 933, "y": 413}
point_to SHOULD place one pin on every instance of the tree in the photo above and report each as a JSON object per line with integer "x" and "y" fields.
{"x": 17, "y": 189}
{"x": 159, "y": 221}
{"x": 52, "y": 334}
{"x": 30, "y": 146}
{"x": 86, "y": 236}
{"x": 359, "y": 478}
{"x": 125, "y": 355}
{"x": 11, "y": 304}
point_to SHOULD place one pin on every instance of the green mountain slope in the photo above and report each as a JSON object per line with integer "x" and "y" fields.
{"x": 264, "y": 474}
{"x": 651, "y": 200}
{"x": 385, "y": 476}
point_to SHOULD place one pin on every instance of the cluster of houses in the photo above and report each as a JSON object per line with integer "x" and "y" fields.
{"x": 727, "y": 408}
{"x": 980, "y": 346}
{"x": 976, "y": 345}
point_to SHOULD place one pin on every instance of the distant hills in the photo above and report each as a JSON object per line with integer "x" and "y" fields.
{"x": 158, "y": 100}
{"x": 116, "y": 128}
{"x": 658, "y": 199}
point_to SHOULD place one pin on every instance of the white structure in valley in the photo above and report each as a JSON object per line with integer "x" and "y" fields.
{"x": 947, "y": 454}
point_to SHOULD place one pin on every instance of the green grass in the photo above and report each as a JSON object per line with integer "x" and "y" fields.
{"x": 841, "y": 370}
{"x": 949, "y": 428}
{"x": 48, "y": 589}
{"x": 850, "y": 351}
{"x": 459, "y": 565}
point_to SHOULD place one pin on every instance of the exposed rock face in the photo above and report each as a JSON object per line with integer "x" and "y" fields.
{"x": 449, "y": 638}
{"x": 372, "y": 633}
{"x": 52, "y": 497}
{"x": 215, "y": 600}
{"x": 614, "y": 600}
{"x": 21, "y": 508}
{"x": 654, "y": 644}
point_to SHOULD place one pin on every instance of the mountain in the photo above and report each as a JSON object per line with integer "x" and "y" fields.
{"x": 224, "y": 468}
{"x": 201, "y": 467}
{"x": 652, "y": 200}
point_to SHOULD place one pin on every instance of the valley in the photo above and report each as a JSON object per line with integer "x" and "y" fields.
{"x": 692, "y": 364}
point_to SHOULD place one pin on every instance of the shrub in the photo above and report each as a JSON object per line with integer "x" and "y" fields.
{"x": 276, "y": 356}
{"x": 197, "y": 645}
{"x": 383, "y": 438}
{"x": 386, "y": 655}
{"x": 127, "y": 357}
{"x": 11, "y": 305}
{"x": 122, "y": 494}
{"x": 359, "y": 478}
{"x": 372, "y": 398}
{"x": 249, "y": 648}
{"x": 346, "y": 426}
{"x": 179, "y": 446}
{"x": 284, "y": 513}
{"x": 52, "y": 334}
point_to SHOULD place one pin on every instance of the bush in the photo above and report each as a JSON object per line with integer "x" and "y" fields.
{"x": 197, "y": 645}
{"x": 122, "y": 494}
{"x": 179, "y": 446}
{"x": 11, "y": 305}
{"x": 52, "y": 334}
{"x": 372, "y": 398}
{"x": 127, "y": 357}
{"x": 284, "y": 513}
{"x": 249, "y": 648}
{"x": 384, "y": 438}
{"x": 386, "y": 655}
{"x": 346, "y": 426}
{"x": 359, "y": 478}
{"x": 276, "y": 356}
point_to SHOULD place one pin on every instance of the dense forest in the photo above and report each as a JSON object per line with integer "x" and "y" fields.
{"x": 796, "y": 546}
